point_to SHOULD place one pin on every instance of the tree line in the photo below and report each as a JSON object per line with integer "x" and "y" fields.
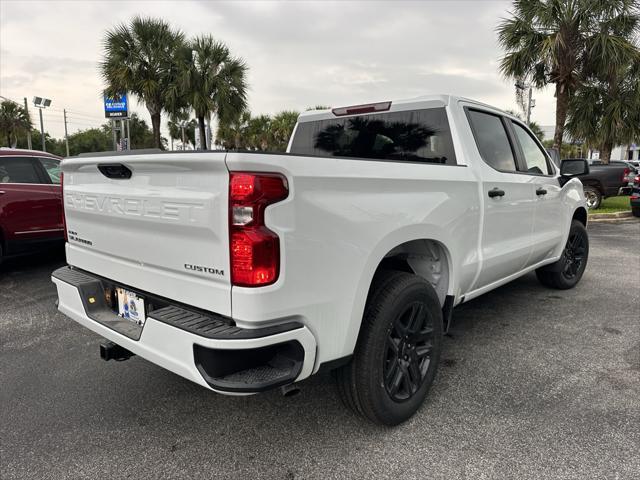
{"x": 14, "y": 130}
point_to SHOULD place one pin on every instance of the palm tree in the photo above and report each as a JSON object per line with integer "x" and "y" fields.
{"x": 551, "y": 41}
{"x": 606, "y": 111}
{"x": 212, "y": 81}
{"x": 259, "y": 133}
{"x": 281, "y": 129}
{"x": 139, "y": 57}
{"x": 14, "y": 120}
{"x": 233, "y": 134}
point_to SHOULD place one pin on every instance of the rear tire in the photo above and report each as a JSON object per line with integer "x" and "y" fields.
{"x": 635, "y": 211}
{"x": 593, "y": 197}
{"x": 398, "y": 350}
{"x": 568, "y": 270}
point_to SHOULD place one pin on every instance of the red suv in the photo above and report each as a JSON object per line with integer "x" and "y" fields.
{"x": 30, "y": 201}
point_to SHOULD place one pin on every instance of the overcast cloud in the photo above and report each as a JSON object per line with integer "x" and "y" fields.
{"x": 300, "y": 53}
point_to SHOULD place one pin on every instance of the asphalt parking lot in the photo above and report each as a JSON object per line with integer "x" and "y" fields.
{"x": 534, "y": 384}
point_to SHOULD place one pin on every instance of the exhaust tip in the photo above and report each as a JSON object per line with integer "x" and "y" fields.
{"x": 289, "y": 390}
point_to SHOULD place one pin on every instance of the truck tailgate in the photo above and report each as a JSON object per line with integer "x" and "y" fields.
{"x": 163, "y": 230}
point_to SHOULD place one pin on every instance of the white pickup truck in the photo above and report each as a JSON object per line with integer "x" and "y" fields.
{"x": 246, "y": 271}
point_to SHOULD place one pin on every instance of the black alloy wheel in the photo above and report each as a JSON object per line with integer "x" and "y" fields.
{"x": 408, "y": 355}
{"x": 574, "y": 253}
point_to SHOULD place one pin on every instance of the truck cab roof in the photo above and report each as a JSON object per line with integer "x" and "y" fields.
{"x": 415, "y": 103}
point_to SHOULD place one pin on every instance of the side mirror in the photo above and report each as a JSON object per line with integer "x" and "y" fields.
{"x": 573, "y": 167}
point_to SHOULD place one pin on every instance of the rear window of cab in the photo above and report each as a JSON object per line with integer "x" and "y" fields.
{"x": 414, "y": 135}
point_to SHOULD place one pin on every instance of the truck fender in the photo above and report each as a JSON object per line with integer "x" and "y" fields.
{"x": 388, "y": 244}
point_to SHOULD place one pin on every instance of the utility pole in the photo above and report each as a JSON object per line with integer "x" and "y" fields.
{"x": 182, "y": 129}
{"x": 26, "y": 108}
{"x": 66, "y": 135}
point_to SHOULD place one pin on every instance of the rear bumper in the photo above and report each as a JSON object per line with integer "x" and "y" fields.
{"x": 230, "y": 360}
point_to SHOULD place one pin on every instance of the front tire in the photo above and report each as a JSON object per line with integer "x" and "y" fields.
{"x": 593, "y": 197}
{"x": 568, "y": 270}
{"x": 398, "y": 351}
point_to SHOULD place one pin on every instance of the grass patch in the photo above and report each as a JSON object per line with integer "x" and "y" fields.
{"x": 613, "y": 205}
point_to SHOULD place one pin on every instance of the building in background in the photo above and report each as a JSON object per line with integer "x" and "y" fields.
{"x": 620, "y": 152}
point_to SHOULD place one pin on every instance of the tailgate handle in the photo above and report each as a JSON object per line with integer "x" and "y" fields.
{"x": 115, "y": 170}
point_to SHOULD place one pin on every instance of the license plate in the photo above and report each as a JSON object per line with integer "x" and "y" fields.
{"x": 131, "y": 306}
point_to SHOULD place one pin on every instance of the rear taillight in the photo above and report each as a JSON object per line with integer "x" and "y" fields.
{"x": 626, "y": 172}
{"x": 255, "y": 250}
{"x": 64, "y": 219}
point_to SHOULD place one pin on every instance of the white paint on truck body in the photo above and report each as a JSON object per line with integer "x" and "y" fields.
{"x": 341, "y": 218}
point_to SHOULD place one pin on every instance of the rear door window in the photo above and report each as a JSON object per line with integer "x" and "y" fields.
{"x": 413, "y": 135}
{"x": 18, "y": 170}
{"x": 492, "y": 140}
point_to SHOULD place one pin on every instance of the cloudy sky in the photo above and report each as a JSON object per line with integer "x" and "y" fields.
{"x": 300, "y": 53}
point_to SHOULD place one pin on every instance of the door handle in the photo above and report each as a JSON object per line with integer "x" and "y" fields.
{"x": 541, "y": 191}
{"x": 2, "y": 192}
{"x": 496, "y": 192}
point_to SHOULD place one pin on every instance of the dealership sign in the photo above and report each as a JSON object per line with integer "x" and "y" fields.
{"x": 116, "y": 107}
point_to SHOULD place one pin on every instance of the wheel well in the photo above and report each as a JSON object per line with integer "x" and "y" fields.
{"x": 426, "y": 258}
{"x": 581, "y": 215}
{"x": 594, "y": 184}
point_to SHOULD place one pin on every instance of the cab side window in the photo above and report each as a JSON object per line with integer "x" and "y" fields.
{"x": 492, "y": 140}
{"x": 18, "y": 170}
{"x": 534, "y": 157}
{"x": 52, "y": 167}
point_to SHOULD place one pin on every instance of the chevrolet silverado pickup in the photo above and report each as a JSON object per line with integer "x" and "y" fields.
{"x": 606, "y": 180}
{"x": 247, "y": 271}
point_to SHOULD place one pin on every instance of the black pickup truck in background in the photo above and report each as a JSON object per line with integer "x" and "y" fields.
{"x": 604, "y": 181}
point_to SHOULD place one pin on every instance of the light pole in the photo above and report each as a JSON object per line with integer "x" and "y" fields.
{"x": 41, "y": 103}
{"x": 530, "y": 101}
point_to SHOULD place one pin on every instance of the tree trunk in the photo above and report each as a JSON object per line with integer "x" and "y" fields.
{"x": 605, "y": 152}
{"x": 155, "y": 125}
{"x": 562, "y": 105}
{"x": 203, "y": 133}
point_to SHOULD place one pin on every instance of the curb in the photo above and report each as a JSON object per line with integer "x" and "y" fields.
{"x": 595, "y": 217}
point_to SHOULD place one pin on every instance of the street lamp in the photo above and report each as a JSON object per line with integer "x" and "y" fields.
{"x": 530, "y": 102}
{"x": 41, "y": 103}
